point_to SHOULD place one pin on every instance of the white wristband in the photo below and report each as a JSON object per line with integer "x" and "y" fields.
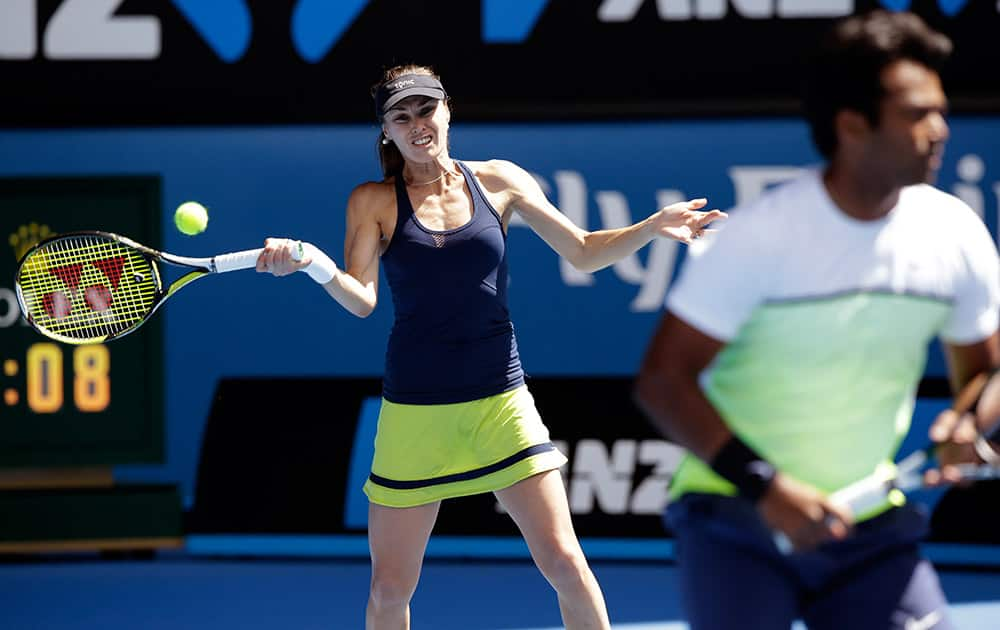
{"x": 322, "y": 269}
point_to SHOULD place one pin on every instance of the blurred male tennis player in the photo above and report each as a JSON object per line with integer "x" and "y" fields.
{"x": 794, "y": 341}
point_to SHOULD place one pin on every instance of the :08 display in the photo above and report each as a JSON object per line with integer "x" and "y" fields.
{"x": 62, "y": 405}
{"x": 44, "y": 378}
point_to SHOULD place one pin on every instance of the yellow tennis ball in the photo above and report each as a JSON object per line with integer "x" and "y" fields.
{"x": 191, "y": 218}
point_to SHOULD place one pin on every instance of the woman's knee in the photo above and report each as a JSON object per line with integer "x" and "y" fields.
{"x": 563, "y": 565}
{"x": 391, "y": 589}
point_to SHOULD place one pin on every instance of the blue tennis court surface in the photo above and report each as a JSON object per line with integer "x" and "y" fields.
{"x": 177, "y": 591}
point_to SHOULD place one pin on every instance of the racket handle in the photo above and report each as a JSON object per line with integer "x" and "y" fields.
{"x": 864, "y": 495}
{"x": 236, "y": 260}
{"x": 860, "y": 497}
{"x": 321, "y": 268}
{"x": 978, "y": 472}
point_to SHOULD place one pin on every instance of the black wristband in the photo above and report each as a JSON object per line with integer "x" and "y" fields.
{"x": 740, "y": 465}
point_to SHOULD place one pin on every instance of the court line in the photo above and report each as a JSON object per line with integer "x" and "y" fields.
{"x": 489, "y": 547}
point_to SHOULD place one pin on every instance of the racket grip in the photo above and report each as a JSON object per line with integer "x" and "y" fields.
{"x": 236, "y": 260}
{"x": 978, "y": 472}
{"x": 864, "y": 495}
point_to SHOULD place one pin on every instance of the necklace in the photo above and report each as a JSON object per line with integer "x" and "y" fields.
{"x": 430, "y": 181}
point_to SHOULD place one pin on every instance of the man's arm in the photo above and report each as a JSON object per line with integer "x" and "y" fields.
{"x": 667, "y": 388}
{"x": 988, "y": 411}
{"x": 966, "y": 361}
{"x": 958, "y": 434}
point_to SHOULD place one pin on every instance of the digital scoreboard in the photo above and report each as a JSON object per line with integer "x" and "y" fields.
{"x": 73, "y": 406}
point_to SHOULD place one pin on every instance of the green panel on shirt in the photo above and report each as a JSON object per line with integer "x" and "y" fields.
{"x": 823, "y": 388}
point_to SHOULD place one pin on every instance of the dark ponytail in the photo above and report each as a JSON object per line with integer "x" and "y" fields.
{"x": 389, "y": 157}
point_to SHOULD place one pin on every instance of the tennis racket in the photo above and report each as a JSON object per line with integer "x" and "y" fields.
{"x": 92, "y": 287}
{"x": 890, "y": 484}
{"x": 875, "y": 490}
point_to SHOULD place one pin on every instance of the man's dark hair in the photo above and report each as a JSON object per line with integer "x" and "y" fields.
{"x": 846, "y": 71}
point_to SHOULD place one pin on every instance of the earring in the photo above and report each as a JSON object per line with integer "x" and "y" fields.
{"x": 386, "y": 140}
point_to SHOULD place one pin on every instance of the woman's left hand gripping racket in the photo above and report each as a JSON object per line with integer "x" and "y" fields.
{"x": 91, "y": 287}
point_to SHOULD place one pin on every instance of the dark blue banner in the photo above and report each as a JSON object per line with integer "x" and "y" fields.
{"x": 177, "y": 62}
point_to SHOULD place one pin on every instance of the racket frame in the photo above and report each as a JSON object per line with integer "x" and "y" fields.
{"x": 200, "y": 267}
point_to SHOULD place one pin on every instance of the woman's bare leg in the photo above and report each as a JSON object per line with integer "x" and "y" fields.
{"x": 397, "y": 538}
{"x": 538, "y": 505}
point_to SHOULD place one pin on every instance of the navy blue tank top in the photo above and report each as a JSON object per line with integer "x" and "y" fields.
{"x": 452, "y": 339}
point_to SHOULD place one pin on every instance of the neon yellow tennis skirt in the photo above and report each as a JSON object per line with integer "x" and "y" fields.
{"x": 425, "y": 453}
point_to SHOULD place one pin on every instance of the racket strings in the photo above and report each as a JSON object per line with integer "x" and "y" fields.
{"x": 87, "y": 287}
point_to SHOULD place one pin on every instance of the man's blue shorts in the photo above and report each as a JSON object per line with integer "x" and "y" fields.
{"x": 732, "y": 574}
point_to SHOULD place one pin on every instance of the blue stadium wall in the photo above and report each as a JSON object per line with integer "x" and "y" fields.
{"x": 294, "y": 181}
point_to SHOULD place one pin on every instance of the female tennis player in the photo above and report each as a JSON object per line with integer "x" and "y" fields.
{"x": 456, "y": 416}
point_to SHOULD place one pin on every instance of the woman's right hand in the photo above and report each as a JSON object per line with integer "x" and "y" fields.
{"x": 802, "y": 513}
{"x": 277, "y": 258}
{"x": 684, "y": 221}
